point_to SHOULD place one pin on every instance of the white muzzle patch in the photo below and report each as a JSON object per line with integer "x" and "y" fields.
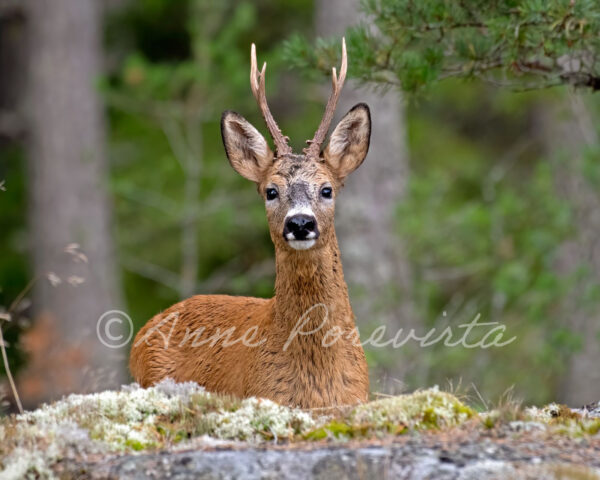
{"x": 301, "y": 244}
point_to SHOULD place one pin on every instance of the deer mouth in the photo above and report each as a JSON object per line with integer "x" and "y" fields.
{"x": 301, "y": 240}
{"x": 302, "y": 244}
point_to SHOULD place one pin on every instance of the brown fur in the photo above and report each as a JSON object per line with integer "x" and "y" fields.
{"x": 306, "y": 374}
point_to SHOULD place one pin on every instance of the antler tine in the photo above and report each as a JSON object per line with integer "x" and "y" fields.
{"x": 314, "y": 145}
{"x": 258, "y": 89}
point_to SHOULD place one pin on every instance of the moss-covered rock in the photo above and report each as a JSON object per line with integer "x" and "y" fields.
{"x": 134, "y": 420}
{"x": 563, "y": 420}
{"x": 420, "y": 410}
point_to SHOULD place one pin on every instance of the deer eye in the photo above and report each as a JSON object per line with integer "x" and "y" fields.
{"x": 272, "y": 193}
{"x": 326, "y": 192}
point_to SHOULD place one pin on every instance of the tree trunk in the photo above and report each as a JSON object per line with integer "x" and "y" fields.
{"x": 69, "y": 205}
{"x": 12, "y": 70}
{"x": 375, "y": 264}
{"x": 567, "y": 130}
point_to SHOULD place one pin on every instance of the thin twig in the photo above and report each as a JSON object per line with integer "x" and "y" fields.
{"x": 8, "y": 373}
{"x": 384, "y": 395}
{"x": 22, "y": 294}
{"x": 11, "y": 309}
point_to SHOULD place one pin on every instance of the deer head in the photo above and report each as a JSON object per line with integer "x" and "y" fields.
{"x": 299, "y": 189}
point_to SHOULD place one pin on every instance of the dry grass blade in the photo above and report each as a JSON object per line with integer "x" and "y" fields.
{"x": 9, "y": 374}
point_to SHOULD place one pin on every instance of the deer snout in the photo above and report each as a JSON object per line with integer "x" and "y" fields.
{"x": 301, "y": 227}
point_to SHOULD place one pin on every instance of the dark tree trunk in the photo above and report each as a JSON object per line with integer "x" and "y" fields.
{"x": 68, "y": 204}
{"x": 12, "y": 69}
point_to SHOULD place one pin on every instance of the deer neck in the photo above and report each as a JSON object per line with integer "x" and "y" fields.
{"x": 310, "y": 289}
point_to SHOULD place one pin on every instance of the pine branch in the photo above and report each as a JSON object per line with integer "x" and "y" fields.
{"x": 532, "y": 44}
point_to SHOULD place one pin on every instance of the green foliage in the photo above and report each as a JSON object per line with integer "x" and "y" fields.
{"x": 520, "y": 43}
{"x": 484, "y": 225}
{"x": 13, "y": 245}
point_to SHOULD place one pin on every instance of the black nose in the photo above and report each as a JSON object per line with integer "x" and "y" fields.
{"x": 300, "y": 227}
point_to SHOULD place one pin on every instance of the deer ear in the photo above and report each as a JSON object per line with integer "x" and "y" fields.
{"x": 247, "y": 150}
{"x": 349, "y": 142}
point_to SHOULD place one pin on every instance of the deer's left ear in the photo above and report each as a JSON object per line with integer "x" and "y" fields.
{"x": 349, "y": 142}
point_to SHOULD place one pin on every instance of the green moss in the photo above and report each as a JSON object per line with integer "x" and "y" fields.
{"x": 489, "y": 419}
{"x": 576, "y": 428}
{"x": 592, "y": 427}
{"x": 426, "y": 409}
{"x": 423, "y": 409}
{"x": 137, "y": 445}
{"x": 334, "y": 429}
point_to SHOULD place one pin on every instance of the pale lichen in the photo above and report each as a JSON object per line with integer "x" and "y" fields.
{"x": 116, "y": 418}
{"x": 136, "y": 419}
{"x": 25, "y": 462}
{"x": 543, "y": 414}
{"x": 564, "y": 420}
{"x": 257, "y": 419}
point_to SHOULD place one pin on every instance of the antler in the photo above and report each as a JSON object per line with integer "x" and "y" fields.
{"x": 258, "y": 89}
{"x": 314, "y": 145}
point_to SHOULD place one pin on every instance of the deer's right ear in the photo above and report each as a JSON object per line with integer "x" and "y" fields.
{"x": 247, "y": 150}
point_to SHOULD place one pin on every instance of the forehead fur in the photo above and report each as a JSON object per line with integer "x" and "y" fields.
{"x": 293, "y": 168}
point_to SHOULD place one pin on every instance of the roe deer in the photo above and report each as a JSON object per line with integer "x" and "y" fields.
{"x": 283, "y": 361}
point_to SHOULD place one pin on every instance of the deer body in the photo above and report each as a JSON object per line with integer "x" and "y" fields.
{"x": 300, "y": 347}
{"x": 305, "y": 374}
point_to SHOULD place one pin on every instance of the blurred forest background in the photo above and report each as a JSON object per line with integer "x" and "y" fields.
{"x": 475, "y": 198}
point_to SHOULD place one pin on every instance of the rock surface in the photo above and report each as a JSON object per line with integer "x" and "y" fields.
{"x": 427, "y": 457}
